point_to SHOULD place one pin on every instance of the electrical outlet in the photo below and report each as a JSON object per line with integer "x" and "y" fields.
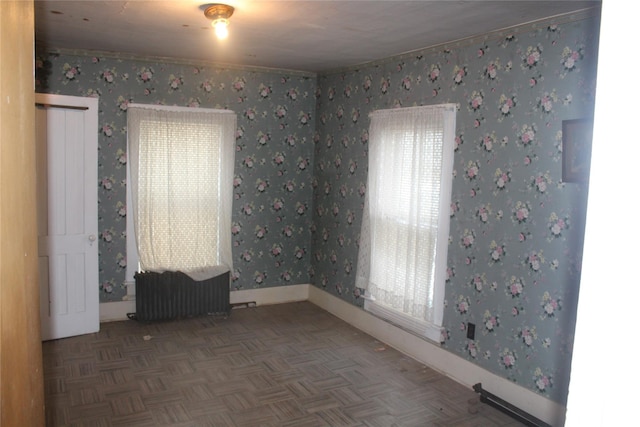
{"x": 471, "y": 331}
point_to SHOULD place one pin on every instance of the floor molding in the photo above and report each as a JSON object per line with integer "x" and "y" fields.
{"x": 116, "y": 311}
{"x": 432, "y": 355}
{"x": 274, "y": 295}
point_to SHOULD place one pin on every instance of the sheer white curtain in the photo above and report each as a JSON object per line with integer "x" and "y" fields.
{"x": 181, "y": 178}
{"x": 405, "y": 226}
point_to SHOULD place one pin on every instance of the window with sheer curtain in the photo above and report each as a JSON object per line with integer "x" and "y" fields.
{"x": 405, "y": 226}
{"x": 181, "y": 180}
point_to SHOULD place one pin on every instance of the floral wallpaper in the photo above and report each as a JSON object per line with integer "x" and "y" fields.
{"x": 301, "y": 170}
{"x": 516, "y": 229}
{"x": 273, "y": 171}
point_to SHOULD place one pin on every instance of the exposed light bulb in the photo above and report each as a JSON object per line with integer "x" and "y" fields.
{"x": 220, "y": 26}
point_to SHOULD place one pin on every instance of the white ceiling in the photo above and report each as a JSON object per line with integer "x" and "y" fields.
{"x": 312, "y": 36}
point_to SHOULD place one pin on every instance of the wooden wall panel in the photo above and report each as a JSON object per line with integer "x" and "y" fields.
{"x": 21, "y": 379}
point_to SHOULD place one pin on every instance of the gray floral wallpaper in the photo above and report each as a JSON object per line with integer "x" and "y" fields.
{"x": 516, "y": 229}
{"x": 273, "y": 171}
{"x": 301, "y": 167}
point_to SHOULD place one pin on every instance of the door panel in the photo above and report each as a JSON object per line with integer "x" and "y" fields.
{"x": 66, "y": 135}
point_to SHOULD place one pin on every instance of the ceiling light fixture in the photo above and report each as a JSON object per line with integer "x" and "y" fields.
{"x": 219, "y": 15}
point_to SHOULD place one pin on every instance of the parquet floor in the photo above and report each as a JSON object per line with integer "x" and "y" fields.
{"x": 272, "y": 366}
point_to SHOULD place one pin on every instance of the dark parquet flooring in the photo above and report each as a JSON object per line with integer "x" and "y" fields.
{"x": 272, "y": 366}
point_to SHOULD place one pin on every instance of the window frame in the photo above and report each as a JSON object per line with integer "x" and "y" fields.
{"x": 226, "y": 151}
{"x": 430, "y": 330}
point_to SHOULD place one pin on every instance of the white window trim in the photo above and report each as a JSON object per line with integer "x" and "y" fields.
{"x": 133, "y": 258}
{"x": 431, "y": 331}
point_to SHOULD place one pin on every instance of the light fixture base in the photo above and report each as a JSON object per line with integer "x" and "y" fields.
{"x": 218, "y": 11}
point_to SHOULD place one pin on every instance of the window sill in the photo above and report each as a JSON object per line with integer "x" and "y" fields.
{"x": 419, "y": 328}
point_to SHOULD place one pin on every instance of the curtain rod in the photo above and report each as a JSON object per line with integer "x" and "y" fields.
{"x": 445, "y": 107}
{"x": 178, "y": 108}
{"x": 70, "y": 107}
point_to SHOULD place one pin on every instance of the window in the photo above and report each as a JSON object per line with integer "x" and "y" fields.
{"x": 181, "y": 180}
{"x": 405, "y": 225}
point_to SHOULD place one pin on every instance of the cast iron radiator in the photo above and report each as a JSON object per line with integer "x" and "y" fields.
{"x": 173, "y": 295}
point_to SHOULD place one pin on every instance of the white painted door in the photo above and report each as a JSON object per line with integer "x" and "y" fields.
{"x": 67, "y": 176}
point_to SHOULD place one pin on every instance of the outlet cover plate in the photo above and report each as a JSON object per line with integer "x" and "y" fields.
{"x": 471, "y": 331}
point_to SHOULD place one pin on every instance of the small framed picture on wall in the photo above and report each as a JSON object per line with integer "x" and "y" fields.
{"x": 577, "y": 135}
